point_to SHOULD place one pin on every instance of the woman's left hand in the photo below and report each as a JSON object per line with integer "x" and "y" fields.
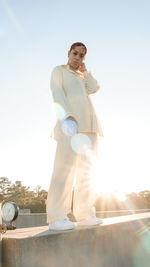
{"x": 82, "y": 67}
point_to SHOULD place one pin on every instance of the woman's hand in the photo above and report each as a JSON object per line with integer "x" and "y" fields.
{"x": 71, "y": 118}
{"x": 70, "y": 126}
{"x": 82, "y": 67}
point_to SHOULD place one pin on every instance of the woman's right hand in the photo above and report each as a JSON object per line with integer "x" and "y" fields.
{"x": 70, "y": 126}
{"x": 71, "y": 118}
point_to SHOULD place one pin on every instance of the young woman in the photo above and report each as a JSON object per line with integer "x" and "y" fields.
{"x": 76, "y": 132}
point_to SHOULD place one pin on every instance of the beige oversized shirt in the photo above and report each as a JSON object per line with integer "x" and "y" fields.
{"x": 70, "y": 91}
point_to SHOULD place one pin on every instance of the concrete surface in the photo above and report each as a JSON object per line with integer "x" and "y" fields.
{"x": 0, "y": 233}
{"x": 122, "y": 241}
{"x": 0, "y": 249}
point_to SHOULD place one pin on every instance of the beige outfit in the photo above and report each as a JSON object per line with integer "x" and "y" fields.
{"x": 70, "y": 92}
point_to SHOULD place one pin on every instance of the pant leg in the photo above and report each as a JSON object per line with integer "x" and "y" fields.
{"x": 59, "y": 199}
{"x": 84, "y": 194}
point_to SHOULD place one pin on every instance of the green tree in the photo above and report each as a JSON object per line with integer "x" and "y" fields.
{"x": 23, "y": 196}
{"x": 5, "y": 184}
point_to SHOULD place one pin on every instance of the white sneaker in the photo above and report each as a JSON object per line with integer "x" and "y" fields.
{"x": 63, "y": 224}
{"x": 92, "y": 220}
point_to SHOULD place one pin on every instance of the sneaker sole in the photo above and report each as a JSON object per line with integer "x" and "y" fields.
{"x": 89, "y": 224}
{"x": 62, "y": 228}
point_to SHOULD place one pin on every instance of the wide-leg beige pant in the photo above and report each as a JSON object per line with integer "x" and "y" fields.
{"x": 68, "y": 165}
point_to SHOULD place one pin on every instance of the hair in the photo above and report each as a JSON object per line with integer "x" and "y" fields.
{"x": 78, "y": 44}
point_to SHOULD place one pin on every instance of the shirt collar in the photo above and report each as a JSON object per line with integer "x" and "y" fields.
{"x": 78, "y": 73}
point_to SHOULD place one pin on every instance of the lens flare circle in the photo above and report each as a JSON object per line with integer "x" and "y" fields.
{"x": 81, "y": 143}
{"x": 69, "y": 127}
{"x": 60, "y": 112}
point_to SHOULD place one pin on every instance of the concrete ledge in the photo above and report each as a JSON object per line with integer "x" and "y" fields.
{"x": 122, "y": 241}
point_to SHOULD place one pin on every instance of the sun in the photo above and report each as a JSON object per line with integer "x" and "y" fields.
{"x": 106, "y": 187}
{"x": 121, "y": 196}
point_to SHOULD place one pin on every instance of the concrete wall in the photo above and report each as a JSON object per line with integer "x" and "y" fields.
{"x": 39, "y": 219}
{"x": 119, "y": 242}
{"x": 0, "y": 234}
{"x": 29, "y": 220}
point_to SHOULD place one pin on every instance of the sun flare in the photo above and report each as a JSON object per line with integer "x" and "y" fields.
{"x": 107, "y": 187}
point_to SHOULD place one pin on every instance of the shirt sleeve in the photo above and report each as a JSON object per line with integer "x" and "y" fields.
{"x": 62, "y": 107}
{"x": 91, "y": 83}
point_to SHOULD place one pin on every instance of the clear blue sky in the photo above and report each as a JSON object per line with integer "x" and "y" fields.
{"x": 34, "y": 37}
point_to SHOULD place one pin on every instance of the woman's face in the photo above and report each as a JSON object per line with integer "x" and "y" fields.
{"x": 76, "y": 57}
